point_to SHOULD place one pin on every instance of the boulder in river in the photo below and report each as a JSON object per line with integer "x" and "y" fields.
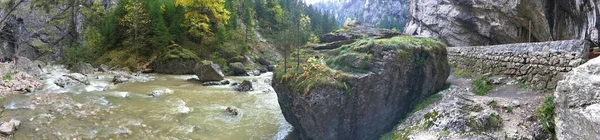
{"x": 245, "y": 86}
{"x": 263, "y": 61}
{"x": 160, "y": 92}
{"x": 208, "y": 71}
{"x": 104, "y": 68}
{"x": 83, "y": 68}
{"x": 72, "y": 79}
{"x": 232, "y": 111}
{"x": 347, "y": 101}
{"x": 20, "y": 82}
{"x": 577, "y": 106}
{"x": 216, "y": 83}
{"x": 271, "y": 68}
{"x": 118, "y": 79}
{"x": 8, "y": 128}
{"x": 238, "y": 69}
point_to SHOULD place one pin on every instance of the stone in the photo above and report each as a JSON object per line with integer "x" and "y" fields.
{"x": 83, "y": 68}
{"x": 271, "y": 68}
{"x": 79, "y": 77}
{"x": 8, "y": 128}
{"x": 263, "y": 61}
{"x": 245, "y": 86}
{"x": 232, "y": 111}
{"x": 262, "y": 69}
{"x": 160, "y": 92}
{"x": 208, "y": 71}
{"x": 577, "y": 106}
{"x": 118, "y": 79}
{"x": 255, "y": 72}
{"x": 104, "y": 68}
{"x": 238, "y": 69}
{"x": 216, "y": 83}
{"x": 366, "y": 105}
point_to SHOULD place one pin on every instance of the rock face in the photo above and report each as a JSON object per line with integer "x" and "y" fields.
{"x": 486, "y": 22}
{"x": 41, "y": 32}
{"x": 208, "y": 71}
{"x": 362, "y": 105}
{"x": 577, "y": 103}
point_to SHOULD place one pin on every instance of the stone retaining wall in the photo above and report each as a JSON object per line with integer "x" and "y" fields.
{"x": 539, "y": 65}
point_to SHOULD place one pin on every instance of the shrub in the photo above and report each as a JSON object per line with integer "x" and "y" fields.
{"x": 481, "y": 85}
{"x": 545, "y": 115}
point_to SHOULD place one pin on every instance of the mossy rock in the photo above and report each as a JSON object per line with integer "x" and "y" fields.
{"x": 177, "y": 52}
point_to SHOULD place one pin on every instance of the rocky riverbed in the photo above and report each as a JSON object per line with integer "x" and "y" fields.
{"x": 144, "y": 106}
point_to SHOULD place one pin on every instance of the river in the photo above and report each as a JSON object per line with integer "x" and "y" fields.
{"x": 125, "y": 111}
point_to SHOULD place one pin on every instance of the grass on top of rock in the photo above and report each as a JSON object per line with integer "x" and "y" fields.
{"x": 309, "y": 75}
{"x": 357, "y": 57}
{"x": 481, "y": 86}
{"x": 426, "y": 102}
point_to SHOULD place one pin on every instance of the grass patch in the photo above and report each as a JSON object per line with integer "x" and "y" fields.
{"x": 462, "y": 73}
{"x": 481, "y": 86}
{"x": 8, "y": 76}
{"x": 545, "y": 115}
{"x": 310, "y": 75}
{"x": 177, "y": 52}
{"x": 426, "y": 102}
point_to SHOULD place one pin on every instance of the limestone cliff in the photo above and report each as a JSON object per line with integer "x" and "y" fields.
{"x": 41, "y": 29}
{"x": 486, "y": 22}
{"x": 359, "y": 90}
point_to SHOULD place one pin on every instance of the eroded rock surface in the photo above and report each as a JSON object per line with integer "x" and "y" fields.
{"x": 577, "y": 103}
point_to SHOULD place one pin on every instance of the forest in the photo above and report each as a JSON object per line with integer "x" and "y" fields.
{"x": 223, "y": 31}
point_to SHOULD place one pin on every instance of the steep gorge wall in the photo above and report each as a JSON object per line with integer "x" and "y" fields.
{"x": 541, "y": 65}
{"x": 491, "y": 22}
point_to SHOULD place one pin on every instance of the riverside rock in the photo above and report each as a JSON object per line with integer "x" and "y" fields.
{"x": 245, "y": 86}
{"x": 364, "y": 102}
{"x": 208, "y": 71}
{"x": 577, "y": 106}
{"x": 72, "y": 79}
{"x": 177, "y": 60}
{"x": 238, "y": 69}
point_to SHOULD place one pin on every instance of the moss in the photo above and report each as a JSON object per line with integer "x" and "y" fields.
{"x": 481, "y": 86}
{"x": 8, "y": 76}
{"x": 177, "y": 52}
{"x": 545, "y": 114}
{"x": 43, "y": 48}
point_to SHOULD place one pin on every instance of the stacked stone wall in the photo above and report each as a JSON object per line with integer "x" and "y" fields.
{"x": 539, "y": 65}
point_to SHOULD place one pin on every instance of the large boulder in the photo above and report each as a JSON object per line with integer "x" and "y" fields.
{"x": 486, "y": 22}
{"x": 208, "y": 71}
{"x": 238, "y": 69}
{"x": 83, "y": 68}
{"x": 104, "y": 68}
{"x": 577, "y": 103}
{"x": 72, "y": 79}
{"x": 26, "y": 65}
{"x": 245, "y": 86}
{"x": 338, "y": 101}
{"x": 177, "y": 60}
{"x": 20, "y": 82}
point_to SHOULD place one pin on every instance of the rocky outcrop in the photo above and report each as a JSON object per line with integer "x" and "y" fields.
{"x": 577, "y": 103}
{"x": 485, "y": 22}
{"x": 118, "y": 79}
{"x": 208, "y": 71}
{"x": 540, "y": 65}
{"x": 334, "y": 100}
{"x": 20, "y": 82}
{"x": 177, "y": 60}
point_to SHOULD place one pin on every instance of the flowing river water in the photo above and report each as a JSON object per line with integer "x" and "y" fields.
{"x": 125, "y": 111}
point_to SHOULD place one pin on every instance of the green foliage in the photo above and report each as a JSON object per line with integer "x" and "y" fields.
{"x": 545, "y": 114}
{"x": 75, "y": 54}
{"x": 481, "y": 85}
{"x": 462, "y": 73}
{"x": 8, "y": 76}
{"x": 509, "y": 108}
{"x": 177, "y": 52}
{"x": 311, "y": 74}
